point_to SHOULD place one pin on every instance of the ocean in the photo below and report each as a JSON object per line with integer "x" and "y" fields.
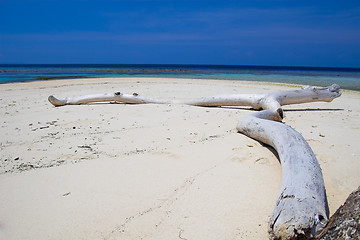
{"x": 347, "y": 78}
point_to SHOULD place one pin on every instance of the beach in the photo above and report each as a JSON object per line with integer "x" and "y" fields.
{"x": 155, "y": 171}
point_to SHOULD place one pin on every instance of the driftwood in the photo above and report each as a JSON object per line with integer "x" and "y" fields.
{"x": 106, "y": 97}
{"x": 301, "y": 209}
{"x": 272, "y": 100}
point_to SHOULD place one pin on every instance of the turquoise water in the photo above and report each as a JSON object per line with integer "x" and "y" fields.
{"x": 347, "y": 78}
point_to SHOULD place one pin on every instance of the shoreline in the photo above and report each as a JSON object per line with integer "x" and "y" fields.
{"x": 347, "y": 78}
{"x": 119, "y": 171}
{"x": 294, "y": 85}
{"x": 281, "y": 84}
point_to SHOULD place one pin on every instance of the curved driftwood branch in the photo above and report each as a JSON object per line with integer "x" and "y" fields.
{"x": 272, "y": 100}
{"x": 301, "y": 208}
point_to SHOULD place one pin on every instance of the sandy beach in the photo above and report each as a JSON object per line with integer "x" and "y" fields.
{"x": 155, "y": 171}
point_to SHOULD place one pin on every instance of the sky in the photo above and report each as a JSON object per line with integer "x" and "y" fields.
{"x": 257, "y": 32}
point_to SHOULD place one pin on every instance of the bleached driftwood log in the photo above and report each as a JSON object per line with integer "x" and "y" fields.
{"x": 106, "y": 97}
{"x": 301, "y": 208}
{"x": 272, "y": 100}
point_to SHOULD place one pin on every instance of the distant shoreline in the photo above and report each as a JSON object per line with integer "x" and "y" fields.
{"x": 347, "y": 78}
{"x": 319, "y": 68}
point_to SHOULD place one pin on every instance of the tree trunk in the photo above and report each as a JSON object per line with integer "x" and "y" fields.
{"x": 301, "y": 208}
{"x": 272, "y": 100}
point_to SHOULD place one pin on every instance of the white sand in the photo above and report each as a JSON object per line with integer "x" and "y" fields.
{"x": 117, "y": 171}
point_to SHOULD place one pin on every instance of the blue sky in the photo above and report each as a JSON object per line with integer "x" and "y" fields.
{"x": 257, "y": 32}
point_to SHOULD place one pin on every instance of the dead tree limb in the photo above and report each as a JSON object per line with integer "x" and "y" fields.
{"x": 301, "y": 208}
{"x": 272, "y": 100}
{"x": 106, "y": 97}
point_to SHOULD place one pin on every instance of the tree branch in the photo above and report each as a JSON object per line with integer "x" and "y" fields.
{"x": 301, "y": 208}
{"x": 272, "y": 100}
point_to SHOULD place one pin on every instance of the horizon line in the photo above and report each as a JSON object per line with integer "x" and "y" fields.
{"x": 188, "y": 64}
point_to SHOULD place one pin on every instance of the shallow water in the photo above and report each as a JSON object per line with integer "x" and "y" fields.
{"x": 347, "y": 78}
